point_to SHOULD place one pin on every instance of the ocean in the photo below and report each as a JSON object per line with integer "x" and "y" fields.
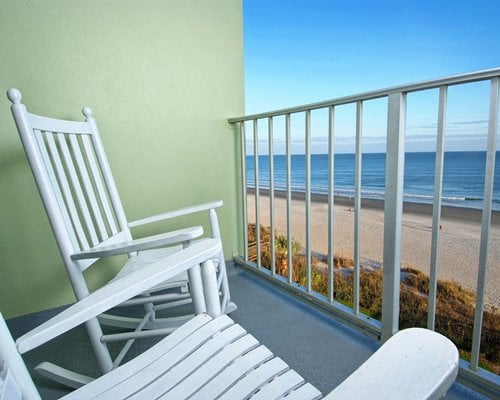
{"x": 463, "y": 181}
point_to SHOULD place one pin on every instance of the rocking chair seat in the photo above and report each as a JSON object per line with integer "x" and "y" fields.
{"x": 204, "y": 358}
{"x": 146, "y": 257}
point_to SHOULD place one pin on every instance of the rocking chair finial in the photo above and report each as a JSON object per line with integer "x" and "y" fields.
{"x": 87, "y": 111}
{"x": 14, "y": 95}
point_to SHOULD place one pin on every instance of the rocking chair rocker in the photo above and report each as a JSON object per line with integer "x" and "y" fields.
{"x": 76, "y": 185}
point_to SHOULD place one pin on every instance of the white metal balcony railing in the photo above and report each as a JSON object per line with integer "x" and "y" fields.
{"x": 470, "y": 372}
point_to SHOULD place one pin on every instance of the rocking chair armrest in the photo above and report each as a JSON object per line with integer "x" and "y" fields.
{"x": 423, "y": 359}
{"x": 118, "y": 291}
{"x": 176, "y": 213}
{"x": 145, "y": 243}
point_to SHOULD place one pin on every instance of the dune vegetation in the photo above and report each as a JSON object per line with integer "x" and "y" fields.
{"x": 455, "y": 304}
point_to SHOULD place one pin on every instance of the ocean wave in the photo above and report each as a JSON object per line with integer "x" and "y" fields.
{"x": 461, "y": 201}
{"x": 369, "y": 193}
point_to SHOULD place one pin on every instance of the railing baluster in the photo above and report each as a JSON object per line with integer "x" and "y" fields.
{"x": 331, "y": 202}
{"x": 357, "y": 206}
{"x": 486, "y": 222}
{"x": 271, "y": 194}
{"x": 308, "y": 200}
{"x": 288, "y": 196}
{"x": 257, "y": 190}
{"x": 244, "y": 192}
{"x": 393, "y": 212}
{"x": 436, "y": 210}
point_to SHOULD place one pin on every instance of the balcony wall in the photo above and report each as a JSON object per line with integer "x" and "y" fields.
{"x": 161, "y": 77}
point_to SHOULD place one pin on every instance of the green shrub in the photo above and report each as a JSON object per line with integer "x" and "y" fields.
{"x": 454, "y": 305}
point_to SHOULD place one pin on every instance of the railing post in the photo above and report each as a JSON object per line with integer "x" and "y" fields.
{"x": 486, "y": 222}
{"x": 271, "y": 194}
{"x": 393, "y": 212}
{"x": 289, "y": 196}
{"x": 357, "y": 207}
{"x": 331, "y": 200}
{"x": 244, "y": 192}
{"x": 436, "y": 210}
{"x": 257, "y": 188}
{"x": 308, "y": 200}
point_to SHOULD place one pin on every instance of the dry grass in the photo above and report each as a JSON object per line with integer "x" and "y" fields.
{"x": 454, "y": 309}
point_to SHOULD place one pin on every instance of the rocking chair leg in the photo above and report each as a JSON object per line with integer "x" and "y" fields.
{"x": 210, "y": 289}
{"x": 101, "y": 349}
{"x": 226, "y": 306}
{"x": 196, "y": 287}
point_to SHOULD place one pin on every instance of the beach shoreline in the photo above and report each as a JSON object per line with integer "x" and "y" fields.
{"x": 459, "y": 236}
{"x": 447, "y": 211}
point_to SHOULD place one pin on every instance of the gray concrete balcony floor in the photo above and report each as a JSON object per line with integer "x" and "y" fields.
{"x": 318, "y": 347}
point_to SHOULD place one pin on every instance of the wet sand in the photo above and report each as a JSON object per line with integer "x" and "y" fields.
{"x": 459, "y": 236}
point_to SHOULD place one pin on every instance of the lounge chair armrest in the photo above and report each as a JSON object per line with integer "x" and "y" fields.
{"x": 176, "y": 213}
{"x": 118, "y": 291}
{"x": 148, "y": 242}
{"x": 415, "y": 363}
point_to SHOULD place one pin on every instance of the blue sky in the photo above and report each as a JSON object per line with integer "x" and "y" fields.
{"x": 298, "y": 52}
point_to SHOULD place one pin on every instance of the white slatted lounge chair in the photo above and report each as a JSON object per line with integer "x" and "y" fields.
{"x": 79, "y": 194}
{"x": 211, "y": 357}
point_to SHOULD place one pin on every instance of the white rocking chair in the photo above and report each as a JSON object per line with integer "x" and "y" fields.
{"x": 74, "y": 179}
{"x": 211, "y": 357}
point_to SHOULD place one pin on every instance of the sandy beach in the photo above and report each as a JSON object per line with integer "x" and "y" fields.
{"x": 458, "y": 244}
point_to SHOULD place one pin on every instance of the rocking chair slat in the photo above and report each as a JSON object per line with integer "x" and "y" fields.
{"x": 107, "y": 176}
{"x": 87, "y": 185}
{"x": 96, "y": 175}
{"x": 65, "y": 189}
{"x": 280, "y": 386}
{"x": 305, "y": 392}
{"x": 256, "y": 379}
{"x": 212, "y": 368}
{"x": 229, "y": 376}
{"x": 42, "y": 148}
{"x": 77, "y": 189}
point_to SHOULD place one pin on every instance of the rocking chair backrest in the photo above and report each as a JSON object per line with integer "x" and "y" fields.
{"x": 74, "y": 180}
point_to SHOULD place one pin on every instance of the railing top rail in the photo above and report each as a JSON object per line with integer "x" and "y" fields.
{"x": 375, "y": 94}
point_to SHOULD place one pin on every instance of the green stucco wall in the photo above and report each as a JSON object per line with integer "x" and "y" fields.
{"x": 161, "y": 76}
